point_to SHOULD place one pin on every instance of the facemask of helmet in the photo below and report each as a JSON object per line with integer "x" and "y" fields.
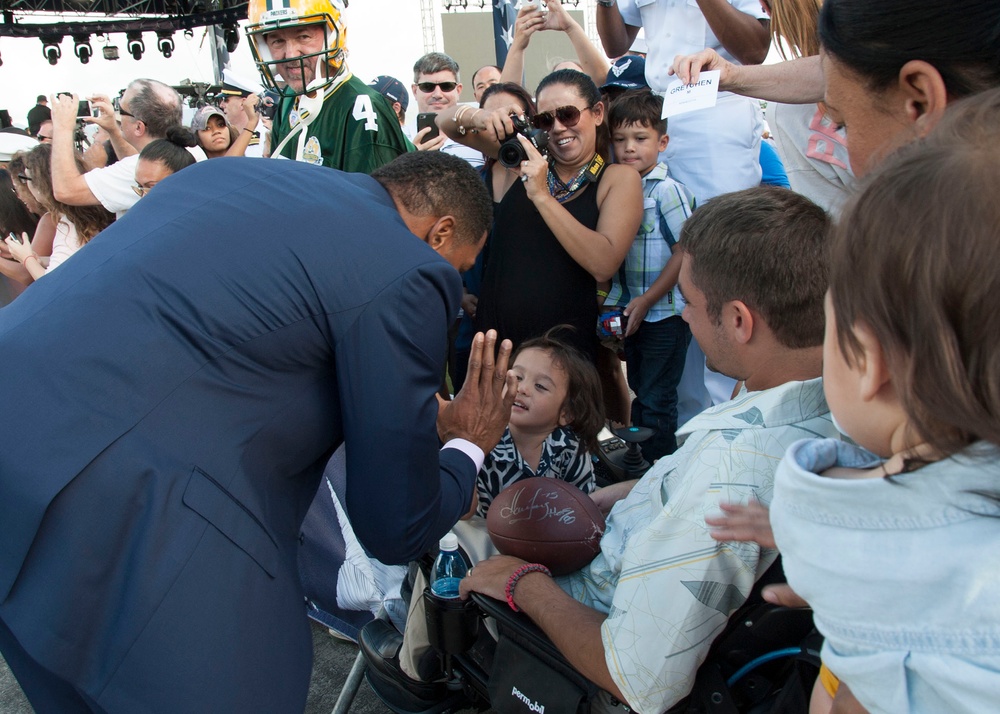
{"x": 320, "y": 67}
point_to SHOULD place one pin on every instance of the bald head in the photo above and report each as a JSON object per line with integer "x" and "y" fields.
{"x": 155, "y": 104}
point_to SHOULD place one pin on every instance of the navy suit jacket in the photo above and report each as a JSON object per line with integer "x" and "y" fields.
{"x": 181, "y": 383}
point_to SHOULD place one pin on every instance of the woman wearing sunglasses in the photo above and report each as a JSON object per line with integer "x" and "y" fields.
{"x": 564, "y": 224}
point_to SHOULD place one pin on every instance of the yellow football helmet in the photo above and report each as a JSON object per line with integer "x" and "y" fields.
{"x": 305, "y": 72}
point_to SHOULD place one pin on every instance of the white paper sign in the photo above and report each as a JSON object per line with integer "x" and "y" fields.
{"x": 683, "y": 98}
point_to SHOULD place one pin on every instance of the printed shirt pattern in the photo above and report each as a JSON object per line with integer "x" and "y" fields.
{"x": 666, "y": 205}
{"x": 563, "y": 457}
{"x": 667, "y": 586}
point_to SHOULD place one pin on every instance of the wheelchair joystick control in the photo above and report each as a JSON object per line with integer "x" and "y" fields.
{"x": 633, "y": 463}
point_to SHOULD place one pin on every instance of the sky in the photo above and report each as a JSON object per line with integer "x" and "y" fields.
{"x": 383, "y": 37}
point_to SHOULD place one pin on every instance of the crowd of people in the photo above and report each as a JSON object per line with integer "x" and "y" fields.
{"x": 803, "y": 322}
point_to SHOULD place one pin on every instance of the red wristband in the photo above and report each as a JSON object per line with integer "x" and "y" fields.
{"x": 517, "y": 575}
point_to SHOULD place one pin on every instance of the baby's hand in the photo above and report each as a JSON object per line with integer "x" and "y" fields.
{"x": 751, "y": 522}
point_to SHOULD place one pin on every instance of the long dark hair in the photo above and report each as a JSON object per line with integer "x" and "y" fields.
{"x": 961, "y": 39}
{"x": 14, "y": 215}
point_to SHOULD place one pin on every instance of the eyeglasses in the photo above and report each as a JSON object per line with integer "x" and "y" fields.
{"x": 24, "y": 178}
{"x": 428, "y": 87}
{"x": 126, "y": 113}
{"x": 140, "y": 191}
{"x": 568, "y": 116}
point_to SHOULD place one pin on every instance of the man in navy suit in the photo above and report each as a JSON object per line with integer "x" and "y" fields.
{"x": 185, "y": 378}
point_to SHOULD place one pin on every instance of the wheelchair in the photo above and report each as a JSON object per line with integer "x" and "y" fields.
{"x": 764, "y": 662}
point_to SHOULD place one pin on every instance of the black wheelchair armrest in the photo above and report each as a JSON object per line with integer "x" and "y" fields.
{"x": 518, "y": 626}
{"x": 521, "y": 638}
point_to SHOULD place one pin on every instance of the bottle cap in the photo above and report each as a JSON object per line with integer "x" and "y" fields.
{"x": 449, "y": 541}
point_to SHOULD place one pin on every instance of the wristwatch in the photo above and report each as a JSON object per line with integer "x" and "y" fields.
{"x": 607, "y": 3}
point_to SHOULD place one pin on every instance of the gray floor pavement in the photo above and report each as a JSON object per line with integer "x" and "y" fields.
{"x": 332, "y": 661}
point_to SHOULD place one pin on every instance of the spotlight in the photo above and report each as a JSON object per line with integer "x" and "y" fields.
{"x": 110, "y": 52}
{"x": 189, "y": 34}
{"x": 82, "y": 48}
{"x": 50, "y": 48}
{"x": 231, "y": 36}
{"x": 135, "y": 45}
{"x": 165, "y": 42}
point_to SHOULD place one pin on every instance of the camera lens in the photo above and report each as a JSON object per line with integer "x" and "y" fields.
{"x": 511, "y": 153}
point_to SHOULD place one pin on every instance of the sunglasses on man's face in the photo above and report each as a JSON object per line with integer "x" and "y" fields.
{"x": 568, "y": 116}
{"x": 428, "y": 87}
{"x": 24, "y": 178}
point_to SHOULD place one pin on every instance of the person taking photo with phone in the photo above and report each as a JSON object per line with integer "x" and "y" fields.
{"x": 436, "y": 87}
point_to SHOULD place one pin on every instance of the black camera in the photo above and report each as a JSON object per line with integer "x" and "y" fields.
{"x": 511, "y": 153}
{"x": 268, "y": 103}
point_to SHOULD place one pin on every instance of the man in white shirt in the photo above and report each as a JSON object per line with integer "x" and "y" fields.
{"x": 711, "y": 151}
{"x": 148, "y": 108}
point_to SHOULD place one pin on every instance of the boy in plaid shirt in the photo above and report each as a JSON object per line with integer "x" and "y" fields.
{"x": 656, "y": 337}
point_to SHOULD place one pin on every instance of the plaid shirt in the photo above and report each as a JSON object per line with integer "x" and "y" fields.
{"x": 666, "y": 205}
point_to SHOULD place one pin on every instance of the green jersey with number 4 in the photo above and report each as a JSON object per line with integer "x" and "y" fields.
{"x": 355, "y": 130}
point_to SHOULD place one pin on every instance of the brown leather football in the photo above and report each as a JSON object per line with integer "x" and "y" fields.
{"x": 547, "y": 521}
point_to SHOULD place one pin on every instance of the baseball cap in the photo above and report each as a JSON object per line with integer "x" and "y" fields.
{"x": 391, "y": 88}
{"x": 201, "y": 117}
{"x": 628, "y": 72}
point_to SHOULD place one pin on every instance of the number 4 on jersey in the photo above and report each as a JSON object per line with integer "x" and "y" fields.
{"x": 363, "y": 110}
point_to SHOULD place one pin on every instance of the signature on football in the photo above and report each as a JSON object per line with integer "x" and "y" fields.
{"x": 536, "y": 507}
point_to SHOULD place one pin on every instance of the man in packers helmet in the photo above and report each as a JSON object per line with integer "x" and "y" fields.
{"x": 326, "y": 115}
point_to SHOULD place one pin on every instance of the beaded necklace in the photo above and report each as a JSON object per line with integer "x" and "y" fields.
{"x": 562, "y": 192}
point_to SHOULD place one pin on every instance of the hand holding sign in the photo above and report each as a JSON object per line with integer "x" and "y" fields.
{"x": 680, "y": 98}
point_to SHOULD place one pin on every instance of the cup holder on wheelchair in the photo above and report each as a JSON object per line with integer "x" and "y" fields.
{"x": 452, "y": 624}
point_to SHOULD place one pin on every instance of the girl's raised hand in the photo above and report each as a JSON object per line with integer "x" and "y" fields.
{"x": 19, "y": 249}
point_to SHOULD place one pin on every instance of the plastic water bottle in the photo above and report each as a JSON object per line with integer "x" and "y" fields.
{"x": 449, "y": 568}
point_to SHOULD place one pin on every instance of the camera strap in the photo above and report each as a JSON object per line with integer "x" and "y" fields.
{"x": 563, "y": 192}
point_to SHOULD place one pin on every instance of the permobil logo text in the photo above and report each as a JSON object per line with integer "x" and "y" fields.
{"x": 532, "y": 706}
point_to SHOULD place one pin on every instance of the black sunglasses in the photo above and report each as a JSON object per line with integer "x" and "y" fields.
{"x": 126, "y": 113}
{"x": 24, "y": 179}
{"x": 568, "y": 116}
{"x": 428, "y": 87}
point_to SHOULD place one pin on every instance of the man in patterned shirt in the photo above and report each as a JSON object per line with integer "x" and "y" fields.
{"x": 326, "y": 116}
{"x": 639, "y": 620}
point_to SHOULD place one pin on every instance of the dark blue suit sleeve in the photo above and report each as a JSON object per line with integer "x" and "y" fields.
{"x": 403, "y": 494}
